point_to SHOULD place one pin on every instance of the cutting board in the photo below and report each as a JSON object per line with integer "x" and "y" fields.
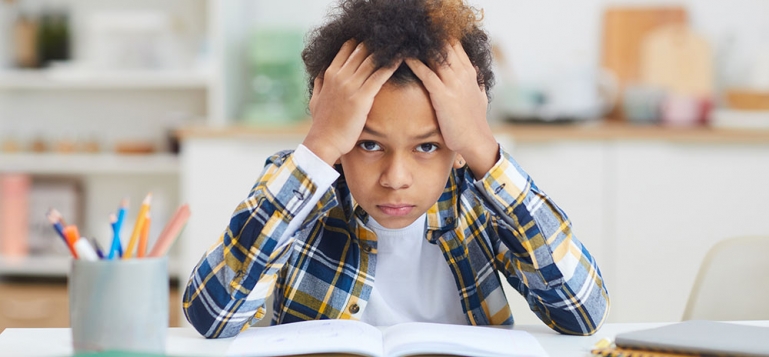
{"x": 677, "y": 59}
{"x": 624, "y": 29}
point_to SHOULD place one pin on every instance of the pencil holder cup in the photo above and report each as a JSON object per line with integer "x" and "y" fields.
{"x": 119, "y": 305}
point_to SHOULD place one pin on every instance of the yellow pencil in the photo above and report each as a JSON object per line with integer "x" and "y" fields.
{"x": 141, "y": 217}
{"x": 142, "y": 250}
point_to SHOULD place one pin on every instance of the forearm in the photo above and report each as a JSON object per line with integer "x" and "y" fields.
{"x": 567, "y": 293}
{"x": 222, "y": 294}
{"x": 546, "y": 261}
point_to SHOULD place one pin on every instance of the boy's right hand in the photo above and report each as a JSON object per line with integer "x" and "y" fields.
{"x": 341, "y": 100}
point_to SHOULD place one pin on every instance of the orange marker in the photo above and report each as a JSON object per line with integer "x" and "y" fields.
{"x": 141, "y": 217}
{"x": 72, "y": 235}
{"x": 141, "y": 251}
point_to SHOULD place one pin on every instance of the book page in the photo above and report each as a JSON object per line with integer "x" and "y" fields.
{"x": 317, "y": 336}
{"x": 421, "y": 338}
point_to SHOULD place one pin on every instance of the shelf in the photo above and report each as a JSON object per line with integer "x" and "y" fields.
{"x": 41, "y": 266}
{"x": 83, "y": 164}
{"x": 76, "y": 79}
{"x": 51, "y": 267}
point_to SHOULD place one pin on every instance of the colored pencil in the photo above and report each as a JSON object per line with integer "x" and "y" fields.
{"x": 141, "y": 251}
{"x": 115, "y": 248}
{"x": 55, "y": 218}
{"x": 171, "y": 231}
{"x": 121, "y": 212}
{"x": 140, "y": 219}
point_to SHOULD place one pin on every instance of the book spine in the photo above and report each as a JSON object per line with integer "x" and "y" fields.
{"x": 14, "y": 206}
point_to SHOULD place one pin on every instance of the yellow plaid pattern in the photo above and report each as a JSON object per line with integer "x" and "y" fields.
{"x": 504, "y": 222}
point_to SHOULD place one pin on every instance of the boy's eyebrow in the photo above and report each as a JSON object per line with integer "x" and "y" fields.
{"x": 426, "y": 135}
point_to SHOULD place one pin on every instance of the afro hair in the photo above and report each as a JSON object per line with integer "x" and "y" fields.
{"x": 395, "y": 29}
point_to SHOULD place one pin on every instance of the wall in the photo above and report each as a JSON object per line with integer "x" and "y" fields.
{"x": 551, "y": 37}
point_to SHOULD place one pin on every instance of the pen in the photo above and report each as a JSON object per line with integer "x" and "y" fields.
{"x": 140, "y": 219}
{"x": 97, "y": 247}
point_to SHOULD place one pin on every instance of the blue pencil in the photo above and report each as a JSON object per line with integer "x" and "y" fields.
{"x": 120, "y": 217}
{"x": 116, "y": 250}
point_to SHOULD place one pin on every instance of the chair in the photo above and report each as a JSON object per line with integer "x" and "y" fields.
{"x": 733, "y": 282}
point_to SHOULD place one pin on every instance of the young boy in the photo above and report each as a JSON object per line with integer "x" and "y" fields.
{"x": 399, "y": 205}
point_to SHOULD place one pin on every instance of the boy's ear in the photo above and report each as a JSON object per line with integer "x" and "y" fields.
{"x": 459, "y": 162}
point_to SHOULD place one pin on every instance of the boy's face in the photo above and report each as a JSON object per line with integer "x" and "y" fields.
{"x": 400, "y": 164}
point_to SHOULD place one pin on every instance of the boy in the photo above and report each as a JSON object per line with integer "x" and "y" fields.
{"x": 399, "y": 205}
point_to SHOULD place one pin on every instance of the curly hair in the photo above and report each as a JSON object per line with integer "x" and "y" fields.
{"x": 394, "y": 29}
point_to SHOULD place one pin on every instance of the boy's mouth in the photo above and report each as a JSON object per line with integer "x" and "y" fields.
{"x": 396, "y": 209}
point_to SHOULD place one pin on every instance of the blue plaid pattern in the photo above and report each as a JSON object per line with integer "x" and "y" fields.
{"x": 326, "y": 270}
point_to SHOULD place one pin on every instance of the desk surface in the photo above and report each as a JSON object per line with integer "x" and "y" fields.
{"x": 187, "y": 342}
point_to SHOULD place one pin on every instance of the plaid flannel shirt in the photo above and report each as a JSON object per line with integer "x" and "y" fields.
{"x": 327, "y": 268}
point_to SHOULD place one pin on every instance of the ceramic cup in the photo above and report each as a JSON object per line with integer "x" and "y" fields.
{"x": 119, "y": 305}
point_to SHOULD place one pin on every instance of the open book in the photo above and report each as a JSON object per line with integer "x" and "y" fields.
{"x": 358, "y": 338}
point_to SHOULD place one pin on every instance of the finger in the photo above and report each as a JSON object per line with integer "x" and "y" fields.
{"x": 462, "y": 55}
{"x": 453, "y": 67}
{"x": 375, "y": 82}
{"x": 318, "y": 84}
{"x": 341, "y": 57}
{"x": 430, "y": 80}
{"x": 355, "y": 60}
{"x": 366, "y": 69}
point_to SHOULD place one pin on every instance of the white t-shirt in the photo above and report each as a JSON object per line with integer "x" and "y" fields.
{"x": 412, "y": 281}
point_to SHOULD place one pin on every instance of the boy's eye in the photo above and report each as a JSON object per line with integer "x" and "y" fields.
{"x": 427, "y": 148}
{"x": 369, "y": 146}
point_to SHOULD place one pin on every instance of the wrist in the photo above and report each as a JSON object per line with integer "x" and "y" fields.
{"x": 481, "y": 158}
{"x": 328, "y": 153}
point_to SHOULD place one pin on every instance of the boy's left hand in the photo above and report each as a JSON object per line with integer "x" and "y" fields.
{"x": 460, "y": 105}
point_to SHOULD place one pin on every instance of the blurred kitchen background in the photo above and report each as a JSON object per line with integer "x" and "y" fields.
{"x": 648, "y": 122}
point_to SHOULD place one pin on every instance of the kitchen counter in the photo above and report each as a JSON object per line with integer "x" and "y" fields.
{"x": 532, "y": 133}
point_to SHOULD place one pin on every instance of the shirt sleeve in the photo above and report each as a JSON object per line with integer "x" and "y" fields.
{"x": 540, "y": 255}
{"x": 322, "y": 174}
{"x": 229, "y": 286}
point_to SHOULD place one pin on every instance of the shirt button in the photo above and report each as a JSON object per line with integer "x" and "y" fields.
{"x": 354, "y": 308}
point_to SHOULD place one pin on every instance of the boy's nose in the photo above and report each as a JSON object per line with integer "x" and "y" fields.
{"x": 396, "y": 175}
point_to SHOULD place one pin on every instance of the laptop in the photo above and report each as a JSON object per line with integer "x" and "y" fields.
{"x": 700, "y": 337}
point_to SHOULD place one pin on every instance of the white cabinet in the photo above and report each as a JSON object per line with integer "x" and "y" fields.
{"x": 672, "y": 203}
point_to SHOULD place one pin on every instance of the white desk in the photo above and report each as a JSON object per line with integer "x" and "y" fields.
{"x": 44, "y": 342}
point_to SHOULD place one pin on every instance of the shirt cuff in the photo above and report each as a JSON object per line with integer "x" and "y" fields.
{"x": 321, "y": 173}
{"x": 505, "y": 182}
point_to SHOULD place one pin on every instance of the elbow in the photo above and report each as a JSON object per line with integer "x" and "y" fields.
{"x": 592, "y": 316}
{"x": 199, "y": 317}
{"x": 208, "y": 326}
{"x": 584, "y": 319}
